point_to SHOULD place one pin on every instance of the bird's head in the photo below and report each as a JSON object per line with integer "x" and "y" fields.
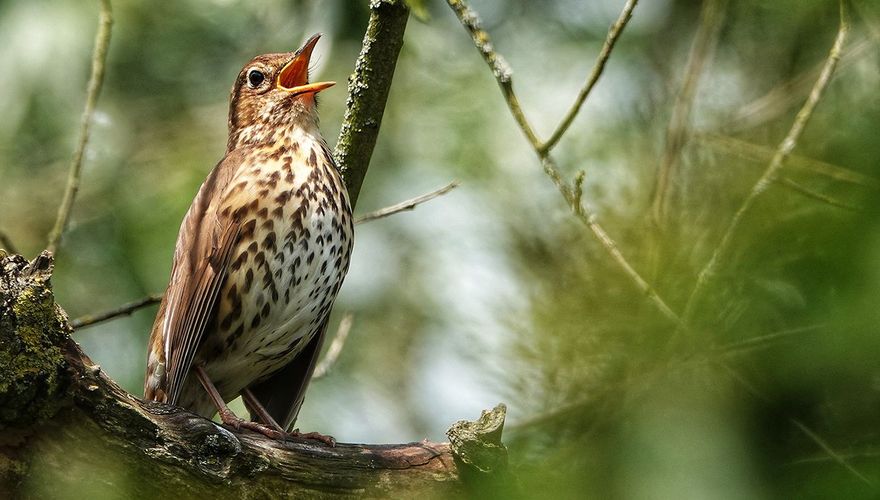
{"x": 272, "y": 95}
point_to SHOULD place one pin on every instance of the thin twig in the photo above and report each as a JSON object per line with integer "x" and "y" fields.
{"x": 335, "y": 349}
{"x": 502, "y": 73}
{"x": 711, "y": 20}
{"x": 837, "y": 457}
{"x": 598, "y": 67}
{"x": 500, "y": 69}
{"x": 6, "y": 243}
{"x": 96, "y": 80}
{"x": 406, "y": 205}
{"x": 123, "y": 310}
{"x": 755, "y": 152}
{"x": 789, "y": 93}
{"x": 614, "y": 251}
{"x": 785, "y": 148}
{"x": 809, "y": 193}
{"x": 761, "y": 341}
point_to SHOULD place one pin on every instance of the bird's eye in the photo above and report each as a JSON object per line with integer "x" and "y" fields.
{"x": 255, "y": 78}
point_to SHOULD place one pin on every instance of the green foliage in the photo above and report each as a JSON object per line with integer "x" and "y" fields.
{"x": 495, "y": 292}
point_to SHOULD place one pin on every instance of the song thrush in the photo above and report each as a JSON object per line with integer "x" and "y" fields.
{"x": 260, "y": 257}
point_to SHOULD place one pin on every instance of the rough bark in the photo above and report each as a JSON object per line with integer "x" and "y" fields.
{"x": 66, "y": 429}
{"x": 368, "y": 89}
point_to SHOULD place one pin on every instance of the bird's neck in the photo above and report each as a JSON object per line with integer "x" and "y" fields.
{"x": 274, "y": 134}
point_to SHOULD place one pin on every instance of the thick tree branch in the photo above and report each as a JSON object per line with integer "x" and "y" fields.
{"x": 368, "y": 91}
{"x": 60, "y": 408}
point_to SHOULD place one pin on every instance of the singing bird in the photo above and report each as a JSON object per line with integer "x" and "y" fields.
{"x": 260, "y": 257}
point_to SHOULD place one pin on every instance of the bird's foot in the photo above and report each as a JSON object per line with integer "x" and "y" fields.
{"x": 230, "y": 419}
{"x": 314, "y": 436}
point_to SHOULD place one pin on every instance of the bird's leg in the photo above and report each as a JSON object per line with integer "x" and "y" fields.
{"x": 226, "y": 415}
{"x": 254, "y": 405}
{"x": 259, "y": 410}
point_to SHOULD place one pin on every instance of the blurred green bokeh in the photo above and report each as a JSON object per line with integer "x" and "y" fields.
{"x": 495, "y": 292}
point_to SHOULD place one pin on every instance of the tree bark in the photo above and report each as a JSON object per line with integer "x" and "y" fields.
{"x": 66, "y": 429}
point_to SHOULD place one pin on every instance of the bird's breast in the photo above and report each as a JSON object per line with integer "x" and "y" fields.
{"x": 292, "y": 254}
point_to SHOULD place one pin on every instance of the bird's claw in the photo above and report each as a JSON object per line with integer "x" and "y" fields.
{"x": 314, "y": 436}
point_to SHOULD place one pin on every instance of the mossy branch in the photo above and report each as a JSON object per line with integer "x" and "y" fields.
{"x": 368, "y": 89}
{"x": 62, "y": 418}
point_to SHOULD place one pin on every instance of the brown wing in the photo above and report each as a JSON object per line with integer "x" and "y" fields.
{"x": 204, "y": 245}
{"x": 283, "y": 393}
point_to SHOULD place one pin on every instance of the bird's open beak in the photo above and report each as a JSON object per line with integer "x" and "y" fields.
{"x": 294, "y": 77}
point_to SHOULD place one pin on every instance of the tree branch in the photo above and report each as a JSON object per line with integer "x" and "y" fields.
{"x": 405, "y": 205}
{"x": 598, "y": 68}
{"x": 368, "y": 90}
{"x": 59, "y": 408}
{"x": 788, "y": 144}
{"x": 497, "y": 64}
{"x": 123, "y": 310}
{"x": 335, "y": 349}
{"x": 96, "y": 81}
{"x": 711, "y": 19}
{"x": 469, "y": 19}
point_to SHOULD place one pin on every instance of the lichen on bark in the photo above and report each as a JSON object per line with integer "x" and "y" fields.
{"x": 32, "y": 329}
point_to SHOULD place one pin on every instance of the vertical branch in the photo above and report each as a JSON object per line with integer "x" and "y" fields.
{"x": 96, "y": 80}
{"x": 368, "y": 91}
{"x": 711, "y": 19}
{"x": 785, "y": 148}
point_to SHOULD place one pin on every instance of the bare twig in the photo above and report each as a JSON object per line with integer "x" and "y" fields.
{"x": 406, "y": 205}
{"x": 634, "y": 276}
{"x": 123, "y": 310}
{"x": 785, "y": 148}
{"x": 598, "y": 67}
{"x": 502, "y": 73}
{"x": 787, "y": 94}
{"x": 756, "y": 152}
{"x": 812, "y": 435}
{"x": 711, "y": 20}
{"x": 837, "y": 457}
{"x": 96, "y": 80}
{"x": 761, "y": 341}
{"x": 500, "y": 69}
{"x": 335, "y": 349}
{"x": 6, "y": 243}
{"x": 809, "y": 193}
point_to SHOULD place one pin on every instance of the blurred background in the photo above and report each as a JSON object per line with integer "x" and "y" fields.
{"x": 495, "y": 292}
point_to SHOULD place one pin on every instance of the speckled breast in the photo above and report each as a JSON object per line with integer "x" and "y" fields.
{"x": 284, "y": 275}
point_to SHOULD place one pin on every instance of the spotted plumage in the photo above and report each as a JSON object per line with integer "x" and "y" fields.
{"x": 260, "y": 257}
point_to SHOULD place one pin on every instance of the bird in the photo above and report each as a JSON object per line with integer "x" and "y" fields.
{"x": 260, "y": 257}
